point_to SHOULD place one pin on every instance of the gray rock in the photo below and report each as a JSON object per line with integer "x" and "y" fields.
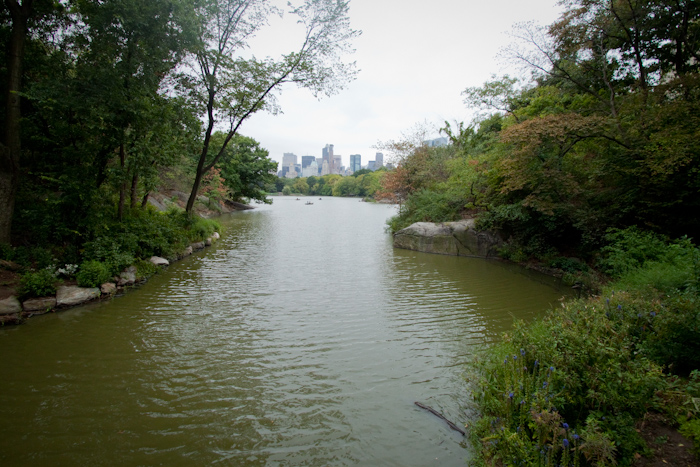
{"x": 108, "y": 288}
{"x": 158, "y": 261}
{"x": 207, "y": 242}
{"x": 186, "y": 252}
{"x": 449, "y": 238}
{"x": 197, "y": 246}
{"x": 10, "y": 306}
{"x": 14, "y": 318}
{"x": 215, "y": 236}
{"x": 181, "y": 196}
{"x": 39, "y": 306}
{"x": 127, "y": 277}
{"x": 70, "y": 295}
{"x": 156, "y": 204}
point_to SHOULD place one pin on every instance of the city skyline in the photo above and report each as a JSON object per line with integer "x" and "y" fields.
{"x": 328, "y": 163}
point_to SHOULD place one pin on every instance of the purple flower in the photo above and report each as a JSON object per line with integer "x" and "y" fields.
{"x": 576, "y": 437}
{"x": 522, "y": 352}
{"x": 505, "y": 361}
{"x": 515, "y": 357}
{"x": 544, "y": 385}
{"x": 619, "y": 307}
{"x": 537, "y": 363}
{"x": 652, "y": 314}
{"x": 607, "y": 301}
{"x": 551, "y": 368}
{"x": 565, "y": 425}
{"x": 565, "y": 443}
{"x": 510, "y": 394}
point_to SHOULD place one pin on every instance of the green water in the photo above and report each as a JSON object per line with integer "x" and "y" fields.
{"x": 301, "y": 338}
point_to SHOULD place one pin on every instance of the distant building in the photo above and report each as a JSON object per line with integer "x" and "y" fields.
{"x": 371, "y": 166}
{"x": 306, "y": 161}
{"x": 325, "y": 168}
{"x": 437, "y": 142}
{"x": 355, "y": 162}
{"x": 327, "y": 156}
{"x": 337, "y": 163}
{"x": 379, "y": 160}
{"x": 310, "y": 170}
{"x": 289, "y": 159}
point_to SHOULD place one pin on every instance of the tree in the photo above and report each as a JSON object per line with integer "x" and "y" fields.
{"x": 21, "y": 13}
{"x": 246, "y": 168}
{"x": 229, "y": 88}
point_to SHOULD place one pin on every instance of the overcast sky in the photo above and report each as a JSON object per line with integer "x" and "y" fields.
{"x": 415, "y": 58}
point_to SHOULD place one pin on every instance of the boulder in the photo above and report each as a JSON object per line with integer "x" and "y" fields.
{"x": 186, "y": 252}
{"x": 207, "y": 242}
{"x": 449, "y": 238}
{"x": 215, "y": 236}
{"x": 158, "y": 261}
{"x": 197, "y": 246}
{"x": 14, "y": 318}
{"x": 70, "y": 295}
{"x": 127, "y": 277}
{"x": 156, "y": 204}
{"x": 10, "y": 306}
{"x": 108, "y": 288}
{"x": 39, "y": 306}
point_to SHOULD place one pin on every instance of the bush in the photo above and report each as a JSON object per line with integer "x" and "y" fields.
{"x": 37, "y": 284}
{"x": 568, "y": 388}
{"x": 629, "y": 249}
{"x": 93, "y": 274}
{"x": 145, "y": 269}
{"x": 202, "y": 228}
{"x": 426, "y": 206}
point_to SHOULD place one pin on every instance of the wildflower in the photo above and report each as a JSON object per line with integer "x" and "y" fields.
{"x": 537, "y": 363}
{"x": 505, "y": 361}
{"x": 551, "y": 368}
{"x": 652, "y": 314}
{"x": 576, "y": 437}
{"x": 522, "y": 352}
{"x": 515, "y": 357}
{"x": 619, "y": 307}
{"x": 607, "y": 301}
{"x": 518, "y": 429}
{"x": 510, "y": 394}
{"x": 544, "y": 385}
{"x": 522, "y": 402}
{"x": 639, "y": 315}
{"x": 565, "y": 425}
{"x": 565, "y": 443}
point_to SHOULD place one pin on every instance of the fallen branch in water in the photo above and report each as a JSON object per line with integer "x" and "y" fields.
{"x": 438, "y": 414}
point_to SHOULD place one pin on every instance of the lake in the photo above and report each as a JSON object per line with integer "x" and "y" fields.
{"x": 300, "y": 338}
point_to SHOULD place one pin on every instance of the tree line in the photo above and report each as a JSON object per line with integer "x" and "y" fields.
{"x": 604, "y": 135}
{"x": 103, "y": 98}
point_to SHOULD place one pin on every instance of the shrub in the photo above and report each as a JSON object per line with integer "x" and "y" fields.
{"x": 629, "y": 249}
{"x": 93, "y": 273}
{"x": 426, "y": 206}
{"x": 37, "y": 284}
{"x": 145, "y": 269}
{"x": 202, "y": 228}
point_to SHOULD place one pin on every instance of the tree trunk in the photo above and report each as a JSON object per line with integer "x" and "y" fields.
{"x": 122, "y": 185}
{"x": 134, "y": 186}
{"x": 11, "y": 146}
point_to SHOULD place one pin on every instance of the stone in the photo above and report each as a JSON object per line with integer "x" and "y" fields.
{"x": 158, "y": 261}
{"x": 207, "y": 242}
{"x": 15, "y": 318}
{"x": 186, "y": 252}
{"x": 156, "y": 204}
{"x": 127, "y": 277}
{"x": 10, "y": 306}
{"x": 449, "y": 238}
{"x": 39, "y": 306}
{"x": 70, "y": 295}
{"x": 215, "y": 236}
{"x": 108, "y": 288}
{"x": 197, "y": 246}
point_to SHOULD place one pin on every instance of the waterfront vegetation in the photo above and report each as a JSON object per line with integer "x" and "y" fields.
{"x": 591, "y": 169}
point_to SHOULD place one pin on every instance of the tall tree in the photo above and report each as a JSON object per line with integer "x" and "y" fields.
{"x": 230, "y": 88}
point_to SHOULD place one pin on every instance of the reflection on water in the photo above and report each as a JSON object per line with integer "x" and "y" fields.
{"x": 301, "y": 338}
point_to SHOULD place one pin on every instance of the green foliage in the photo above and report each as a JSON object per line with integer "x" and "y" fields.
{"x": 630, "y": 248}
{"x": 575, "y": 375}
{"x": 145, "y": 269}
{"x": 37, "y": 284}
{"x": 425, "y": 206}
{"x": 93, "y": 274}
{"x": 6, "y": 252}
{"x": 202, "y": 228}
{"x": 691, "y": 430}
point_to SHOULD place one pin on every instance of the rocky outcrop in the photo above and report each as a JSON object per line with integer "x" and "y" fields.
{"x": 158, "y": 261}
{"x": 127, "y": 277}
{"x": 71, "y": 295}
{"x": 10, "y": 306}
{"x": 39, "y": 306}
{"x": 449, "y": 238}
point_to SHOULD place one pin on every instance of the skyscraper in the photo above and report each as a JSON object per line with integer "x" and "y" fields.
{"x": 306, "y": 161}
{"x": 355, "y": 162}
{"x": 328, "y": 157}
{"x": 379, "y": 160}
